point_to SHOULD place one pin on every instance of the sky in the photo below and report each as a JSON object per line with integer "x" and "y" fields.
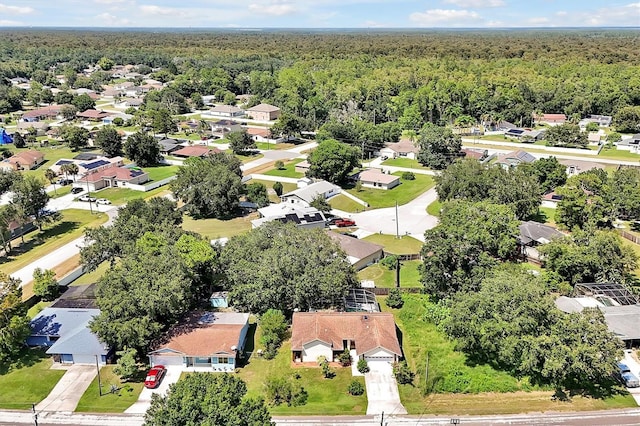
{"x": 320, "y": 13}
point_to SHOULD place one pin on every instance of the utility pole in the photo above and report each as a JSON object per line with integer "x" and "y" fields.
{"x": 426, "y": 374}
{"x": 397, "y": 225}
{"x": 397, "y": 272}
{"x": 89, "y": 195}
{"x": 99, "y": 382}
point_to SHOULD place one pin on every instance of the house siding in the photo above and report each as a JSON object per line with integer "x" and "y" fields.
{"x": 312, "y": 350}
{"x": 366, "y": 261}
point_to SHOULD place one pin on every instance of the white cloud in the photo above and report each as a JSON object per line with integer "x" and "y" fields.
{"x": 273, "y": 8}
{"x": 109, "y": 20}
{"x": 446, "y": 17}
{"x": 375, "y": 24}
{"x": 537, "y": 21}
{"x": 8, "y": 23}
{"x": 476, "y": 4}
{"x": 109, "y": 1}
{"x": 151, "y": 9}
{"x": 15, "y": 10}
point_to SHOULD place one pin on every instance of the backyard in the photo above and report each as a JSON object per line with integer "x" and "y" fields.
{"x": 110, "y": 402}
{"x": 273, "y": 197}
{"x": 386, "y": 278}
{"x": 391, "y": 244}
{"x": 161, "y": 172}
{"x": 402, "y": 194}
{"x": 51, "y": 155}
{"x": 216, "y": 228}
{"x": 404, "y": 162}
{"x": 346, "y": 204}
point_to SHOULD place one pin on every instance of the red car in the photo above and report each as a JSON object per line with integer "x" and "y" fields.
{"x": 154, "y": 376}
{"x": 345, "y": 222}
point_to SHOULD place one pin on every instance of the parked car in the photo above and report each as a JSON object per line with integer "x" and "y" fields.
{"x": 154, "y": 376}
{"x": 103, "y": 201}
{"x": 628, "y": 378}
{"x": 76, "y": 190}
{"x": 341, "y": 223}
{"x": 384, "y": 157}
{"x": 332, "y": 220}
{"x": 64, "y": 182}
{"x": 87, "y": 198}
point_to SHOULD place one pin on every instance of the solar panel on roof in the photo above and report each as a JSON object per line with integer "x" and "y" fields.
{"x": 516, "y": 131}
{"x": 63, "y": 162}
{"x": 95, "y": 164}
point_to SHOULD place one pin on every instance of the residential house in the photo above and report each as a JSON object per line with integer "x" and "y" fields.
{"x": 114, "y": 177}
{"x": 476, "y": 153}
{"x": 219, "y": 299}
{"x": 302, "y": 217}
{"x": 25, "y": 160}
{"x": 534, "y": 234}
{"x": 305, "y": 195}
{"x": 50, "y": 112}
{"x": 594, "y": 138}
{"x": 108, "y": 120}
{"x": 264, "y": 112}
{"x": 88, "y": 162}
{"x": 112, "y": 93}
{"x": 575, "y": 167}
{"x": 601, "y": 120}
{"x": 550, "y": 119}
{"x": 92, "y": 115}
{"x": 525, "y": 135}
{"x": 370, "y": 336}
{"x": 66, "y": 334}
{"x": 374, "y": 178}
{"x": 212, "y": 341}
{"x": 208, "y": 100}
{"x": 40, "y": 127}
{"x": 194, "y": 151}
{"x": 224, "y": 111}
{"x": 631, "y": 144}
{"x": 359, "y": 252}
{"x": 260, "y": 134}
{"x": 221, "y": 128}
{"x": 405, "y": 149}
{"x": 551, "y": 199}
{"x": 168, "y": 146}
{"x": 515, "y": 158}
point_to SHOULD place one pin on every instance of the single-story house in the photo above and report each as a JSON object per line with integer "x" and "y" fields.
{"x": 111, "y": 93}
{"x": 370, "y": 336}
{"x": 25, "y": 160}
{"x": 40, "y": 127}
{"x": 88, "y": 162}
{"x": 550, "y": 119}
{"x": 533, "y": 234}
{"x": 129, "y": 103}
{"x": 194, "y": 151}
{"x": 551, "y": 199}
{"x": 226, "y": 111}
{"x": 476, "y": 153}
{"x": 168, "y": 146}
{"x": 305, "y": 195}
{"x": 359, "y": 252}
{"x": 264, "y": 112}
{"x": 260, "y": 134}
{"x": 575, "y": 167}
{"x": 525, "y": 135}
{"x": 631, "y": 144}
{"x": 108, "y": 120}
{"x": 210, "y": 340}
{"x": 302, "y": 167}
{"x": 66, "y": 333}
{"x": 601, "y": 120}
{"x": 594, "y": 138}
{"x": 404, "y": 148}
{"x": 113, "y": 176}
{"x": 374, "y": 178}
{"x": 48, "y": 112}
{"x": 515, "y": 158}
{"x": 92, "y": 115}
{"x": 221, "y": 128}
{"x": 303, "y": 217}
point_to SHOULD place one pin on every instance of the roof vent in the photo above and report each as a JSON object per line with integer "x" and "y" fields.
{"x": 365, "y": 317}
{"x": 234, "y": 347}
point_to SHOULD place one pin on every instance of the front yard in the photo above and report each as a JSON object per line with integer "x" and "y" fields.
{"x": 386, "y": 278}
{"x": 289, "y": 170}
{"x": 391, "y": 244}
{"x": 30, "y": 383}
{"x": 404, "y": 162}
{"x": 346, "y": 204}
{"x": 215, "y": 228}
{"x": 110, "y": 402}
{"x": 120, "y": 196}
{"x": 402, "y": 194}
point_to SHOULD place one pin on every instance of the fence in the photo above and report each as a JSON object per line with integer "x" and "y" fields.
{"x": 379, "y": 291}
{"x": 629, "y": 236}
{"x": 152, "y": 185}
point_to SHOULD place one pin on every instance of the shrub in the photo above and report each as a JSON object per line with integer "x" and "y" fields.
{"x": 279, "y": 165}
{"x": 279, "y": 390}
{"x": 356, "y": 388}
{"x": 408, "y": 176}
{"x": 389, "y": 262}
{"x": 45, "y": 284}
{"x": 127, "y": 367}
{"x": 274, "y": 330}
{"x": 363, "y": 367}
{"x": 327, "y": 372}
{"x": 394, "y": 300}
{"x": 277, "y": 187}
{"x": 299, "y": 397}
{"x": 403, "y": 373}
{"x": 345, "y": 358}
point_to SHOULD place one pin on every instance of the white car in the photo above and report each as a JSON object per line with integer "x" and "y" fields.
{"x": 87, "y": 198}
{"x": 103, "y": 201}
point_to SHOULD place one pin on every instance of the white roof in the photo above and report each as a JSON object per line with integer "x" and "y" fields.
{"x": 308, "y": 193}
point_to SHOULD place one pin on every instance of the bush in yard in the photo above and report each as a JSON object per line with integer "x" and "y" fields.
{"x": 279, "y": 165}
{"x": 389, "y": 262}
{"x": 274, "y": 329}
{"x": 394, "y": 300}
{"x": 345, "y": 358}
{"x": 363, "y": 367}
{"x": 356, "y": 388}
{"x": 277, "y": 187}
{"x": 408, "y": 176}
{"x": 127, "y": 367}
{"x": 279, "y": 390}
{"x": 327, "y": 372}
{"x": 403, "y": 373}
{"x": 45, "y": 284}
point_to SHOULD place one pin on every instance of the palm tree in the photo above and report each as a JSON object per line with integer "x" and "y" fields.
{"x": 73, "y": 169}
{"x": 51, "y": 176}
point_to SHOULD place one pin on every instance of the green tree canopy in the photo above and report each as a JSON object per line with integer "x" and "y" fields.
{"x": 109, "y": 140}
{"x": 627, "y": 119}
{"x": 257, "y": 193}
{"x": 143, "y": 149}
{"x": 566, "y": 135}
{"x": 240, "y": 142}
{"x": 45, "y": 284}
{"x": 30, "y": 198}
{"x": 14, "y": 323}
{"x": 333, "y": 161}
{"x": 76, "y": 137}
{"x": 439, "y": 147}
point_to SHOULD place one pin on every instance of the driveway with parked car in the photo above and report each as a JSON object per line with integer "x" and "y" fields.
{"x": 172, "y": 375}
{"x": 634, "y": 368}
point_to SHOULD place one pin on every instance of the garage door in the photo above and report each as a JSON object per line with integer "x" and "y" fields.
{"x": 379, "y": 358}
{"x": 166, "y": 360}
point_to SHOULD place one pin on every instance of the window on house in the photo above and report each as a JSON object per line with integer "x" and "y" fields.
{"x": 223, "y": 360}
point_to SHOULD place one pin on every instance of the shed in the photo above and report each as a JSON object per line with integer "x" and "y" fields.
{"x": 219, "y": 299}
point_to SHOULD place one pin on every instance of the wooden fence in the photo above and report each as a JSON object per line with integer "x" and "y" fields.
{"x": 378, "y": 291}
{"x": 629, "y": 236}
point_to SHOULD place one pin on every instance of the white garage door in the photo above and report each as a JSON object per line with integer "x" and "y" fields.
{"x": 379, "y": 358}
{"x": 166, "y": 360}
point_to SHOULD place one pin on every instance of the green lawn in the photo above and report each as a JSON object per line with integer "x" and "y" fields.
{"x": 37, "y": 308}
{"x": 326, "y": 396}
{"x": 117, "y": 402}
{"x": 391, "y": 244}
{"x": 274, "y": 146}
{"x": 346, "y": 204}
{"x": 286, "y": 187}
{"x": 216, "y": 228}
{"x": 403, "y": 193}
{"x": 404, "y": 162}
{"x": 619, "y": 154}
{"x": 29, "y": 383}
{"x": 386, "y": 278}
{"x": 182, "y": 135}
{"x": 60, "y": 191}
{"x": 434, "y": 208}
{"x": 120, "y": 196}
{"x": 248, "y": 158}
{"x": 38, "y": 244}
{"x": 546, "y": 215}
{"x": 288, "y": 171}
{"x": 161, "y": 172}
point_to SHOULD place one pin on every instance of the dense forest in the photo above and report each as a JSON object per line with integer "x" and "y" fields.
{"x": 351, "y": 77}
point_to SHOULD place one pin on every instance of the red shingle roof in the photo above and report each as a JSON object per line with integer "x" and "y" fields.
{"x": 195, "y": 151}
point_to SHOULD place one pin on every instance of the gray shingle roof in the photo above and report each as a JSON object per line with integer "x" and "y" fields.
{"x": 534, "y": 231}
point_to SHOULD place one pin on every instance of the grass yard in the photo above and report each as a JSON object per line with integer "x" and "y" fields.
{"x": 116, "y": 402}
{"x": 346, "y": 204}
{"x": 619, "y": 154}
{"x": 161, "y": 172}
{"x": 38, "y": 244}
{"x": 60, "y": 191}
{"x": 288, "y": 171}
{"x": 120, "y": 196}
{"x": 182, "y": 135}
{"x": 28, "y": 383}
{"x": 546, "y": 215}
{"x": 286, "y": 187}
{"x": 386, "y": 278}
{"x": 274, "y": 146}
{"x": 434, "y": 208}
{"x": 403, "y": 193}
{"x": 636, "y": 248}
{"x": 404, "y": 162}
{"x": 37, "y": 308}
{"x": 326, "y": 396}
{"x": 215, "y": 228}
{"x": 391, "y": 244}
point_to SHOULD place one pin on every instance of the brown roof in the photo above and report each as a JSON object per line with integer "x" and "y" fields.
{"x": 354, "y": 247}
{"x": 252, "y": 131}
{"x": 405, "y": 145}
{"x": 374, "y": 175}
{"x": 26, "y": 157}
{"x": 48, "y": 111}
{"x": 264, "y": 108}
{"x": 115, "y": 172}
{"x": 194, "y": 338}
{"x": 195, "y": 151}
{"x": 92, "y": 113}
{"x": 478, "y": 154}
{"x": 369, "y": 330}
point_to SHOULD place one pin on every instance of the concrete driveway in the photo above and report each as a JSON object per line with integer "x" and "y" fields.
{"x": 144, "y": 400}
{"x": 382, "y": 390}
{"x": 67, "y": 393}
{"x": 634, "y": 366}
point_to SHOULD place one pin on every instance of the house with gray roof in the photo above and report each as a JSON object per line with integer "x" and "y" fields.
{"x": 533, "y": 234}
{"x": 359, "y": 252}
{"x": 514, "y": 159}
{"x": 631, "y": 144}
{"x": 301, "y": 216}
{"x": 66, "y": 334}
{"x": 305, "y": 195}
